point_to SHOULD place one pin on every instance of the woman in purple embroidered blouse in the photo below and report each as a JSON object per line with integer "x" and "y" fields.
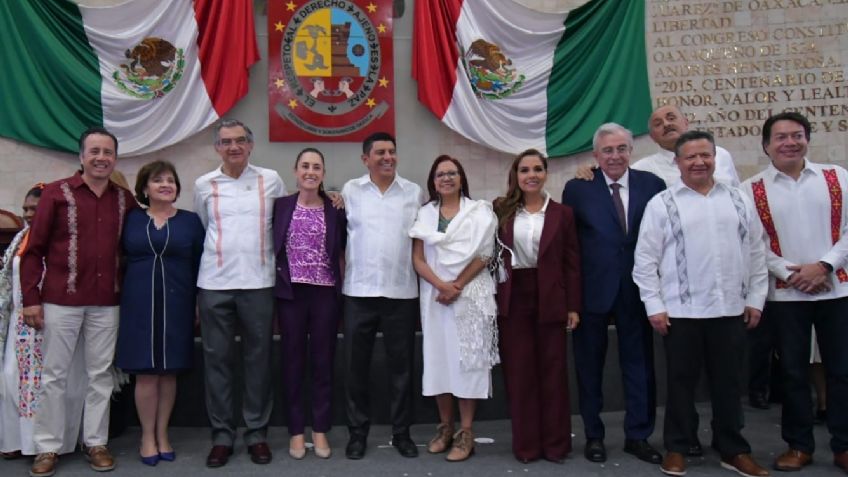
{"x": 309, "y": 241}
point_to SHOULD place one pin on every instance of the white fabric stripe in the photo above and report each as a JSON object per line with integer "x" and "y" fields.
{"x": 144, "y": 125}
{"x": 528, "y": 38}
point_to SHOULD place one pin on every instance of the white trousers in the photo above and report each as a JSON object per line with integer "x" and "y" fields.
{"x": 62, "y": 328}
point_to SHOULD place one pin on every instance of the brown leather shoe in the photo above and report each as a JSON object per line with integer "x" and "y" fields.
{"x": 673, "y": 464}
{"x": 99, "y": 458}
{"x": 841, "y": 460}
{"x": 442, "y": 440}
{"x": 259, "y": 453}
{"x": 743, "y": 464}
{"x": 792, "y": 460}
{"x": 218, "y": 456}
{"x": 463, "y": 446}
{"x": 11, "y": 455}
{"x": 44, "y": 465}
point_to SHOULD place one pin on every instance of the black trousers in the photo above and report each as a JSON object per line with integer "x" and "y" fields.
{"x": 761, "y": 345}
{"x": 717, "y": 344}
{"x": 793, "y": 322}
{"x": 363, "y": 318}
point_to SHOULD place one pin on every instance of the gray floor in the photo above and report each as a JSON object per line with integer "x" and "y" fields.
{"x": 492, "y": 459}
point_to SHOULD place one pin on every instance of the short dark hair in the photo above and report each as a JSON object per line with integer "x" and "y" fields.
{"x": 692, "y": 135}
{"x": 232, "y": 123}
{"x": 150, "y": 170}
{"x": 35, "y": 191}
{"x": 431, "y": 179}
{"x": 785, "y": 116}
{"x": 96, "y": 130}
{"x": 377, "y": 136}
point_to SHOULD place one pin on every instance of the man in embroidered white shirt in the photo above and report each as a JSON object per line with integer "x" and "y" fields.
{"x": 380, "y": 291}
{"x": 235, "y": 203}
{"x": 802, "y": 208}
{"x": 700, "y": 267}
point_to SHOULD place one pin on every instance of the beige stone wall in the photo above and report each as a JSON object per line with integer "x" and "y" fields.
{"x": 732, "y": 63}
{"x": 421, "y": 137}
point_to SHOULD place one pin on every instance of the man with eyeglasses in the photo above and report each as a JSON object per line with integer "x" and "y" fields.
{"x": 608, "y": 210}
{"x": 236, "y": 279}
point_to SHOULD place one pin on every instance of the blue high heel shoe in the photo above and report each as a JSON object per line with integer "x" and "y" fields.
{"x": 151, "y": 460}
{"x": 168, "y": 456}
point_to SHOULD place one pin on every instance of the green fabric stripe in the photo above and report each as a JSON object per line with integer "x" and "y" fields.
{"x": 599, "y": 75}
{"x": 50, "y": 84}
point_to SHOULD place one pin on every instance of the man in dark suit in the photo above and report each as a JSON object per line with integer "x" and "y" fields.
{"x": 608, "y": 210}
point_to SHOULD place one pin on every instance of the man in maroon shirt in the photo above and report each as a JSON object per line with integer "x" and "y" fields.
{"x": 74, "y": 245}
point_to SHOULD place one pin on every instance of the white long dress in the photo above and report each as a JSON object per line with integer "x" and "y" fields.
{"x": 20, "y": 382}
{"x": 460, "y": 340}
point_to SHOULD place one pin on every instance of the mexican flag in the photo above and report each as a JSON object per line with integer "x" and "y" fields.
{"x": 152, "y": 72}
{"x": 512, "y": 78}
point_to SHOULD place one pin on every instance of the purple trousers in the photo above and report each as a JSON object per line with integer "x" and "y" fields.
{"x": 313, "y": 318}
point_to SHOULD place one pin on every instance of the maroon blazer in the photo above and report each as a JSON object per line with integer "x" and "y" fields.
{"x": 558, "y": 266}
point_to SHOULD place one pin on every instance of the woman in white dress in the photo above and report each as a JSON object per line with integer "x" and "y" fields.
{"x": 454, "y": 239}
{"x": 20, "y": 379}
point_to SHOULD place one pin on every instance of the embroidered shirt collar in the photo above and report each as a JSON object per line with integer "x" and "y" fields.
{"x": 679, "y": 187}
{"x": 366, "y": 179}
{"x": 809, "y": 168}
{"x": 250, "y": 168}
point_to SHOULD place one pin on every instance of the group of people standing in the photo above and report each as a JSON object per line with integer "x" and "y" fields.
{"x": 692, "y": 255}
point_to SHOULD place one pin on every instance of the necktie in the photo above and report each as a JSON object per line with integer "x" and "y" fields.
{"x": 619, "y": 206}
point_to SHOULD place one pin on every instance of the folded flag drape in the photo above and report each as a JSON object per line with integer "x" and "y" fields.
{"x": 512, "y": 78}
{"x": 152, "y": 72}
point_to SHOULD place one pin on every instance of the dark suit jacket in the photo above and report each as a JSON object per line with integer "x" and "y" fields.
{"x": 336, "y": 239}
{"x": 558, "y": 268}
{"x": 606, "y": 253}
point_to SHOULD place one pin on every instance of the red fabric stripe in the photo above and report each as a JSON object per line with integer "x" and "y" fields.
{"x": 434, "y": 52}
{"x": 227, "y": 49}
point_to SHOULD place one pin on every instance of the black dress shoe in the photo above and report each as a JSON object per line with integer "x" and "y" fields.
{"x": 218, "y": 456}
{"x": 642, "y": 450}
{"x": 758, "y": 401}
{"x": 259, "y": 453}
{"x": 595, "y": 450}
{"x": 356, "y": 447}
{"x": 404, "y": 445}
{"x": 695, "y": 450}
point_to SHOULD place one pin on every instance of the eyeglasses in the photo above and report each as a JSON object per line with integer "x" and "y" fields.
{"x": 447, "y": 174}
{"x": 240, "y": 141}
{"x": 609, "y": 151}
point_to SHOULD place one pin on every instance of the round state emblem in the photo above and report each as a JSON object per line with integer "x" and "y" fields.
{"x": 330, "y": 59}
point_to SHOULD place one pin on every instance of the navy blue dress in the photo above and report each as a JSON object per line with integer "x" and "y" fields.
{"x": 156, "y": 331}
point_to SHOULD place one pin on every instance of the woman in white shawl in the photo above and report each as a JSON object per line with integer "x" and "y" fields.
{"x": 454, "y": 238}
{"x": 21, "y": 354}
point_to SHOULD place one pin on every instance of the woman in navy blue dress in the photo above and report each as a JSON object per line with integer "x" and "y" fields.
{"x": 162, "y": 245}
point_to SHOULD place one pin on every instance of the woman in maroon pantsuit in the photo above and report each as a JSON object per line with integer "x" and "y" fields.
{"x": 537, "y": 305}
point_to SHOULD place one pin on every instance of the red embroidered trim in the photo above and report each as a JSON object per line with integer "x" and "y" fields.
{"x": 761, "y": 201}
{"x": 835, "y": 213}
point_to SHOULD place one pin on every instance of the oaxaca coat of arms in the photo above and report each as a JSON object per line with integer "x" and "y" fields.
{"x": 330, "y": 69}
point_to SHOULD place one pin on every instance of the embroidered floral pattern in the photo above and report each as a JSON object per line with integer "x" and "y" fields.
{"x": 122, "y": 209}
{"x": 835, "y": 191}
{"x": 763, "y": 210}
{"x": 73, "y": 232}
{"x": 306, "y": 247}
{"x": 28, "y": 345}
{"x": 262, "y": 219}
